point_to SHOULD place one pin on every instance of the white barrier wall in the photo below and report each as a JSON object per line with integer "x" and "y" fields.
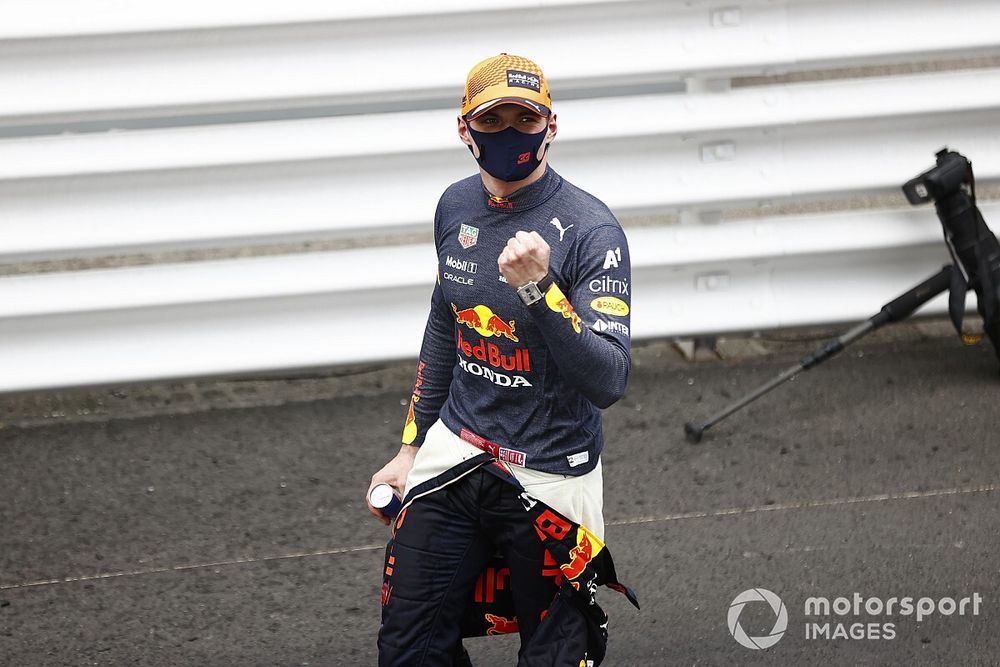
{"x": 136, "y": 131}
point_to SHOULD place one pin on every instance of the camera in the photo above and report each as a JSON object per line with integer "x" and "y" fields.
{"x": 947, "y": 177}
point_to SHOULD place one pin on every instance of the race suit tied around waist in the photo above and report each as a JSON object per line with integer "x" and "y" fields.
{"x": 574, "y": 627}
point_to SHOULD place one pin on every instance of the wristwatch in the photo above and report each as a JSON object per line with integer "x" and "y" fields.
{"x": 533, "y": 292}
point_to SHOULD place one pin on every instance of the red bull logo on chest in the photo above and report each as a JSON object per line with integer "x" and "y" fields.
{"x": 519, "y": 361}
{"x": 488, "y": 324}
{"x": 485, "y": 322}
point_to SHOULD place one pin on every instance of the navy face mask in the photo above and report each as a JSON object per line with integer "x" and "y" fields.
{"x": 510, "y": 155}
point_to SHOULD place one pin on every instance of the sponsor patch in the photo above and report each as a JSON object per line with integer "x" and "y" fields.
{"x": 485, "y": 322}
{"x": 500, "y": 625}
{"x": 468, "y": 235}
{"x": 496, "y": 201}
{"x": 612, "y": 258}
{"x": 587, "y": 546}
{"x": 514, "y": 456}
{"x": 496, "y": 377}
{"x": 487, "y": 352}
{"x": 578, "y": 459}
{"x": 523, "y": 80}
{"x": 461, "y": 280}
{"x": 615, "y": 327}
{"x": 420, "y": 377}
{"x": 557, "y": 302}
{"x": 609, "y": 284}
{"x": 461, "y": 264}
{"x": 410, "y": 425}
{"x": 558, "y": 225}
{"x": 610, "y": 305}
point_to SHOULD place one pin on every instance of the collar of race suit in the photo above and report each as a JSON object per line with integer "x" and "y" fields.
{"x": 527, "y": 197}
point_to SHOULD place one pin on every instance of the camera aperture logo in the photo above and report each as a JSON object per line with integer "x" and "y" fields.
{"x": 858, "y": 617}
{"x": 780, "y": 618}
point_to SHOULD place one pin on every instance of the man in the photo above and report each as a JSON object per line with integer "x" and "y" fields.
{"x": 527, "y": 339}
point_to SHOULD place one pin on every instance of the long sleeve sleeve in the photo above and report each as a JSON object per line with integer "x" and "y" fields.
{"x": 587, "y": 329}
{"x": 434, "y": 366}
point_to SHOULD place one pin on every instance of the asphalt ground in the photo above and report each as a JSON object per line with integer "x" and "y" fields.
{"x": 239, "y": 535}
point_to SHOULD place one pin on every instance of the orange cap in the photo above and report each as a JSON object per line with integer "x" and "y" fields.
{"x": 505, "y": 78}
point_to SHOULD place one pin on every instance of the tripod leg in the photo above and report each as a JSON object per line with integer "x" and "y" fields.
{"x": 896, "y": 310}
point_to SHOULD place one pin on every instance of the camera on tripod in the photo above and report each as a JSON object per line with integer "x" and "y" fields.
{"x": 975, "y": 252}
{"x": 973, "y": 247}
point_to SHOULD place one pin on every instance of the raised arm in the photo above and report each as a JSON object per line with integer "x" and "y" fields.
{"x": 586, "y": 323}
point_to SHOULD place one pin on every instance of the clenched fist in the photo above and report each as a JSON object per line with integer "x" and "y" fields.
{"x": 524, "y": 259}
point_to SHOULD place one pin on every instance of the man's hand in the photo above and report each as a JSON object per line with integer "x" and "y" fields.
{"x": 394, "y": 474}
{"x": 524, "y": 259}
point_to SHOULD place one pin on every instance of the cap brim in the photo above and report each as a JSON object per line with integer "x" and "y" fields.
{"x": 540, "y": 109}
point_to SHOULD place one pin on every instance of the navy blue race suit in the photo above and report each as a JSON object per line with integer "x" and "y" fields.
{"x": 533, "y": 379}
{"x": 525, "y": 384}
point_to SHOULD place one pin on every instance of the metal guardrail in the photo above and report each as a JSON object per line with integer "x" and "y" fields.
{"x": 351, "y": 175}
{"x": 323, "y": 309}
{"x": 283, "y": 181}
{"x": 182, "y": 60}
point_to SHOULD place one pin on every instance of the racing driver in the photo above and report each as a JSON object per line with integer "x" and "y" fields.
{"x": 526, "y": 341}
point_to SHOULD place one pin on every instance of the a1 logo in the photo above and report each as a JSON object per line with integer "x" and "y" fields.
{"x": 612, "y": 258}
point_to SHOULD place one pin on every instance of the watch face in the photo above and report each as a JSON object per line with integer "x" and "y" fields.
{"x": 529, "y": 294}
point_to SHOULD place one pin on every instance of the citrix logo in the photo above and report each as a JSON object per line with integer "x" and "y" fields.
{"x": 608, "y": 284}
{"x": 780, "y": 621}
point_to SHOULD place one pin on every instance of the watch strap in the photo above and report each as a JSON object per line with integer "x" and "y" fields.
{"x": 545, "y": 283}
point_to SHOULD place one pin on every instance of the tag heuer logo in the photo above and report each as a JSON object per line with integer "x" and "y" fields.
{"x": 468, "y": 235}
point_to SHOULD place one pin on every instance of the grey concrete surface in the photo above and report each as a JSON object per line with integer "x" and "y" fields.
{"x": 237, "y": 535}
